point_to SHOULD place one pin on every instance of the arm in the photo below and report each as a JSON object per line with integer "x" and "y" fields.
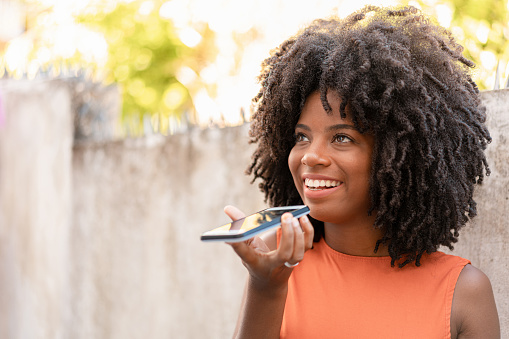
{"x": 261, "y": 312}
{"x": 474, "y": 312}
{"x": 264, "y": 298}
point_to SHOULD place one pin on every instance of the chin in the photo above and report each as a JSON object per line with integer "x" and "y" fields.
{"x": 322, "y": 213}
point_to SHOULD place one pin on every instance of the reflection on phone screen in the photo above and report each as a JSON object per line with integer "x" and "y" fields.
{"x": 252, "y": 221}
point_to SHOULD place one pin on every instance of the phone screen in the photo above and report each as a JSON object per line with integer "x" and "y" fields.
{"x": 253, "y": 224}
{"x": 252, "y": 221}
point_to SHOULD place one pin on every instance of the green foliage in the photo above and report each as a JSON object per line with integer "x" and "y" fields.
{"x": 489, "y": 10}
{"x": 145, "y": 54}
{"x": 482, "y": 27}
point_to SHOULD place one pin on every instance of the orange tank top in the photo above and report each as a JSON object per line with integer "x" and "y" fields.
{"x": 334, "y": 295}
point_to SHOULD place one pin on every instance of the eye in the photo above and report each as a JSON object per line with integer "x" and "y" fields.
{"x": 298, "y": 137}
{"x": 341, "y": 139}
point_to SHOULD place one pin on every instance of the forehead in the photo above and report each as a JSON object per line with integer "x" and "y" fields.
{"x": 313, "y": 110}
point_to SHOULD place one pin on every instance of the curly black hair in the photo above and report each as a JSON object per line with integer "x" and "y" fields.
{"x": 406, "y": 82}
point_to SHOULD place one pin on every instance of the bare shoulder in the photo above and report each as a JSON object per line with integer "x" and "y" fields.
{"x": 474, "y": 312}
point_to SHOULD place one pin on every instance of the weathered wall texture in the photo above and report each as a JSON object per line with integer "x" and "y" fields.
{"x": 485, "y": 242}
{"x": 35, "y": 209}
{"x": 102, "y": 240}
{"x": 139, "y": 268}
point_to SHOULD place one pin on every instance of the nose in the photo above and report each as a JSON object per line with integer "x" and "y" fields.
{"x": 316, "y": 156}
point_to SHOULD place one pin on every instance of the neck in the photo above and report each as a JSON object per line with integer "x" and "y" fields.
{"x": 356, "y": 239}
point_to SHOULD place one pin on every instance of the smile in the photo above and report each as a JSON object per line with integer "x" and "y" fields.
{"x": 317, "y": 185}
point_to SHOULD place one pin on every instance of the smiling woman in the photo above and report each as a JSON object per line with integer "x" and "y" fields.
{"x": 375, "y": 123}
{"x": 330, "y": 148}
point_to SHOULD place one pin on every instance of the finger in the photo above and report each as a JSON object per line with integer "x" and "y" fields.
{"x": 298, "y": 245}
{"x": 259, "y": 245}
{"x": 285, "y": 250}
{"x": 233, "y": 212}
{"x": 309, "y": 231}
{"x": 243, "y": 250}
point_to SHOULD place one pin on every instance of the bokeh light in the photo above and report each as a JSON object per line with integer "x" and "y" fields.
{"x": 230, "y": 39}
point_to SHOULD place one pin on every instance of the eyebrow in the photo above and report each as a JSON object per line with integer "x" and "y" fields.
{"x": 330, "y": 128}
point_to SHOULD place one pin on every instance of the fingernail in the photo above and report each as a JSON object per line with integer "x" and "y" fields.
{"x": 295, "y": 222}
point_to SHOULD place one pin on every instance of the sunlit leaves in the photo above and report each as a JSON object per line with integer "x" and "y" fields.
{"x": 482, "y": 27}
{"x": 145, "y": 53}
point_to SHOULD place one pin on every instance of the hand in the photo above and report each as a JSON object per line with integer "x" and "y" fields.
{"x": 267, "y": 268}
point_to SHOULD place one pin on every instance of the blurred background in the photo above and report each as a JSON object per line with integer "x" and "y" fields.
{"x": 196, "y": 61}
{"x": 123, "y": 134}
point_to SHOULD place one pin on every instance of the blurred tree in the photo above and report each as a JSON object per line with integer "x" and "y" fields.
{"x": 482, "y": 27}
{"x": 145, "y": 53}
{"x": 163, "y": 56}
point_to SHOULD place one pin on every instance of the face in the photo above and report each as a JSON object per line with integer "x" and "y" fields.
{"x": 330, "y": 163}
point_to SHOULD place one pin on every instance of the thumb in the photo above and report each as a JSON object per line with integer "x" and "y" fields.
{"x": 234, "y": 213}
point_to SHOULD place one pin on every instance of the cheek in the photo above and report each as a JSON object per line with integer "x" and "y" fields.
{"x": 363, "y": 171}
{"x": 293, "y": 163}
{"x": 366, "y": 167}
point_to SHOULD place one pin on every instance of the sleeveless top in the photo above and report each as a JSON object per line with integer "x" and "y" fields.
{"x": 334, "y": 295}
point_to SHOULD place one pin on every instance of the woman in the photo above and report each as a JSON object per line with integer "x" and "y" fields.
{"x": 375, "y": 123}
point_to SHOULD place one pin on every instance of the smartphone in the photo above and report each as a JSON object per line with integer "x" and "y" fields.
{"x": 254, "y": 224}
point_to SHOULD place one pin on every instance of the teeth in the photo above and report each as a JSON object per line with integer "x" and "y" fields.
{"x": 313, "y": 184}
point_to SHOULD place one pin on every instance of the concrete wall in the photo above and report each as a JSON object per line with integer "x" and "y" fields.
{"x": 485, "y": 242}
{"x": 139, "y": 209}
{"x": 102, "y": 240}
{"x": 35, "y": 209}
